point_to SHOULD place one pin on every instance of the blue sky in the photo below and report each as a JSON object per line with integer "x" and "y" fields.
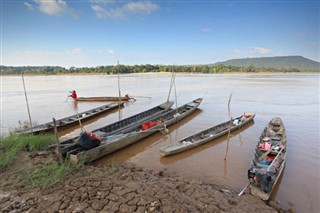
{"x": 89, "y": 33}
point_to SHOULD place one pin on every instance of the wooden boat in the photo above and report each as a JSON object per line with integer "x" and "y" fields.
{"x": 123, "y": 98}
{"x": 134, "y": 133}
{"x": 269, "y": 159}
{"x": 205, "y": 135}
{"x": 118, "y": 126}
{"x": 71, "y": 120}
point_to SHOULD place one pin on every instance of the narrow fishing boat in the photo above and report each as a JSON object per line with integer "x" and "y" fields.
{"x": 123, "y": 98}
{"x": 90, "y": 152}
{"x": 269, "y": 159}
{"x": 71, "y": 120}
{"x": 117, "y": 127}
{"x": 206, "y": 135}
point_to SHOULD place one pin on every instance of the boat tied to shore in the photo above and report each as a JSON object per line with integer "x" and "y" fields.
{"x": 130, "y": 135}
{"x": 205, "y": 136}
{"x": 269, "y": 159}
{"x": 116, "y": 127}
{"x": 70, "y": 120}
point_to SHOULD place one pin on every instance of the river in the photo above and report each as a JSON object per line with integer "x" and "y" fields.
{"x": 293, "y": 97}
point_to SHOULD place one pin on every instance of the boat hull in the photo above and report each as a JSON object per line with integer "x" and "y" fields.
{"x": 268, "y": 161}
{"x": 134, "y": 133}
{"x": 103, "y": 99}
{"x": 117, "y": 127}
{"x": 71, "y": 120}
{"x": 202, "y": 137}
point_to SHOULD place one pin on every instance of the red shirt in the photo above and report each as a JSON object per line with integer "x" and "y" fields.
{"x": 73, "y": 95}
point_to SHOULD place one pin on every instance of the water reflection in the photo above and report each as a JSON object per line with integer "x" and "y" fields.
{"x": 75, "y": 106}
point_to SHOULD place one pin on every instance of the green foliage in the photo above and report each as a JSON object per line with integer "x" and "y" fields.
{"x": 291, "y": 63}
{"x": 46, "y": 175}
{"x": 7, "y": 157}
{"x": 269, "y": 64}
{"x": 40, "y": 176}
{"x": 11, "y": 145}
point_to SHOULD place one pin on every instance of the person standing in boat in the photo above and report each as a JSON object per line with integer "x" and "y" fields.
{"x": 73, "y": 95}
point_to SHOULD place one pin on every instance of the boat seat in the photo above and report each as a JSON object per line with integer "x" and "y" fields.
{"x": 100, "y": 133}
{"x": 203, "y": 136}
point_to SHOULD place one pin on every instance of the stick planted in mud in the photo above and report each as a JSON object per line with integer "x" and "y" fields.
{"x": 244, "y": 189}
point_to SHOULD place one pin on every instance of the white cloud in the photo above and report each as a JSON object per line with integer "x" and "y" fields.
{"x": 28, "y": 5}
{"x": 141, "y": 7}
{"x": 205, "y": 30}
{"x": 111, "y": 52}
{"x": 76, "y": 51}
{"x": 102, "y": 1}
{"x": 101, "y": 12}
{"x": 260, "y": 50}
{"x": 54, "y": 7}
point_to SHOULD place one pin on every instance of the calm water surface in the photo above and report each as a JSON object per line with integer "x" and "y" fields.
{"x": 295, "y": 98}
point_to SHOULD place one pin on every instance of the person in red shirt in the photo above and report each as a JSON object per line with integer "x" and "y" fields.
{"x": 73, "y": 94}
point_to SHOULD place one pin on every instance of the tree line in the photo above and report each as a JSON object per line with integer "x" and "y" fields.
{"x": 125, "y": 69}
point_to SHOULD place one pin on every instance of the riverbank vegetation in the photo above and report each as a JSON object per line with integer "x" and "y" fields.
{"x": 126, "y": 69}
{"x": 15, "y": 154}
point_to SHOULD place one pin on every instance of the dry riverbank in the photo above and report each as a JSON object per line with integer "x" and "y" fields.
{"x": 123, "y": 188}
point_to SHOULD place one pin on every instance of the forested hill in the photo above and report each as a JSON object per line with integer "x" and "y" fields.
{"x": 270, "y": 65}
{"x": 276, "y": 62}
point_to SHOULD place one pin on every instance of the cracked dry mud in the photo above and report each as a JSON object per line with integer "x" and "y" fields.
{"x": 129, "y": 189}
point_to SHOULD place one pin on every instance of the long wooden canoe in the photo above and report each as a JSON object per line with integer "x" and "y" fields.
{"x": 117, "y": 127}
{"x": 269, "y": 159}
{"x": 124, "y": 98}
{"x": 71, "y": 120}
{"x": 134, "y": 133}
{"x": 205, "y": 136}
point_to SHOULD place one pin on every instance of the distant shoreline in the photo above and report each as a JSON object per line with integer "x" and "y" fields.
{"x": 163, "y": 73}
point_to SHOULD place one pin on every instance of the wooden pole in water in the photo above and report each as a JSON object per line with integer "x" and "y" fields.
{"x": 79, "y": 120}
{"x": 175, "y": 91}
{"x": 225, "y": 156}
{"x": 171, "y": 83}
{"x": 57, "y": 138}
{"x": 119, "y": 81}
{"x": 119, "y": 90}
{"x": 25, "y": 94}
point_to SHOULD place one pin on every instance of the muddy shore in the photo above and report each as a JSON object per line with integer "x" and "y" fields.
{"x": 126, "y": 188}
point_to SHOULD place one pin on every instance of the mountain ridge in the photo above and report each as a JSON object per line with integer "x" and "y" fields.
{"x": 275, "y": 62}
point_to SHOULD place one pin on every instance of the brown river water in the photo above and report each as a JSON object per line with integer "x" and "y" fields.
{"x": 293, "y": 97}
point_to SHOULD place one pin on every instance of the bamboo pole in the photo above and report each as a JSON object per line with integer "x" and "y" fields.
{"x": 119, "y": 81}
{"x": 119, "y": 90}
{"x": 25, "y": 94}
{"x": 79, "y": 120}
{"x": 57, "y": 138}
{"x": 225, "y": 156}
{"x": 171, "y": 83}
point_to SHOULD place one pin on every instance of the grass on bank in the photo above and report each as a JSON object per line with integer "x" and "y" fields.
{"x": 11, "y": 145}
{"x": 49, "y": 174}
{"x": 37, "y": 176}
